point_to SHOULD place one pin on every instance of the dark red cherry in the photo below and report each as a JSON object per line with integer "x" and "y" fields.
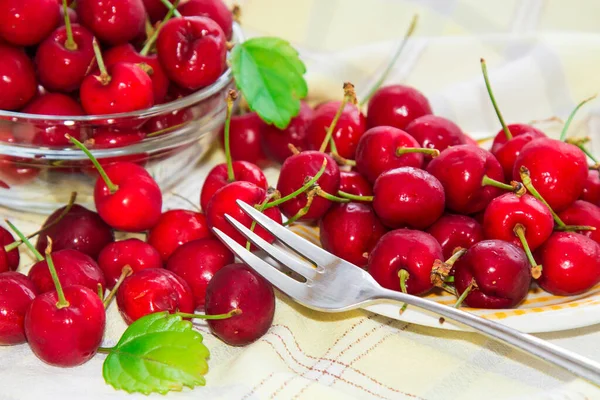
{"x": 155, "y": 9}
{"x": 71, "y": 13}
{"x": 213, "y": 9}
{"x": 245, "y": 134}
{"x": 237, "y": 286}
{"x": 350, "y": 231}
{"x": 507, "y": 151}
{"x": 113, "y": 21}
{"x": 354, "y": 183}
{"x": 397, "y": 106}
{"x": 110, "y": 139}
{"x": 169, "y": 120}
{"x": 27, "y": 22}
{"x": 18, "y": 83}
{"x": 456, "y": 231}
{"x": 591, "y": 188}
{"x": 583, "y": 213}
{"x": 408, "y": 250}
{"x": 132, "y": 252}
{"x": 16, "y": 171}
{"x": 175, "y": 228}
{"x": 54, "y": 104}
{"x": 9, "y": 260}
{"x": 434, "y": 132}
{"x": 16, "y": 294}
{"x": 196, "y": 262}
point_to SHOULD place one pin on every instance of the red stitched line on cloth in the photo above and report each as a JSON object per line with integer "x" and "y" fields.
{"x": 259, "y": 384}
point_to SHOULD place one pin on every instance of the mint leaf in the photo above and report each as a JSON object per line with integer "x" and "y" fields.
{"x": 269, "y": 74}
{"x": 157, "y": 353}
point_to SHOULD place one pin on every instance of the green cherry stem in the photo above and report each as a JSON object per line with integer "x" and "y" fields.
{"x": 165, "y": 130}
{"x": 232, "y": 313}
{"x": 62, "y": 301}
{"x": 100, "y": 291}
{"x": 493, "y": 99}
{"x": 231, "y": 96}
{"x": 310, "y": 196}
{"x": 111, "y": 186}
{"x": 170, "y": 6}
{"x": 407, "y": 150}
{"x": 526, "y": 178}
{"x": 191, "y": 203}
{"x": 563, "y": 134}
{"x": 574, "y": 228}
{"x": 403, "y": 275}
{"x": 536, "y": 270}
{"x": 336, "y": 156}
{"x": 70, "y": 42}
{"x": 105, "y": 350}
{"x": 516, "y": 187}
{"x": 351, "y": 196}
{"x": 36, "y": 253}
{"x": 349, "y": 97}
{"x": 463, "y": 296}
{"x": 125, "y": 272}
{"x": 104, "y": 77}
{"x": 330, "y": 197}
{"x": 440, "y": 270}
{"x": 152, "y": 39}
{"x": 273, "y": 193}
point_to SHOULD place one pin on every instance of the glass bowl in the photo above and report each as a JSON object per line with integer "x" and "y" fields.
{"x": 40, "y": 179}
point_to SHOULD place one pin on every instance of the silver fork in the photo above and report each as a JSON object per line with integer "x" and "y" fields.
{"x": 334, "y": 285}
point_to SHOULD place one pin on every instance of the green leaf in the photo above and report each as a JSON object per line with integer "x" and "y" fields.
{"x": 157, "y": 353}
{"x": 269, "y": 74}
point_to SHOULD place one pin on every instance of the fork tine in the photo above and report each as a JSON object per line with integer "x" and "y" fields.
{"x": 301, "y": 246}
{"x": 283, "y": 257}
{"x": 287, "y": 285}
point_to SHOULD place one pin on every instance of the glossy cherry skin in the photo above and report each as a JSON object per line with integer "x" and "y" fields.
{"x": 500, "y": 270}
{"x": 461, "y": 169}
{"x": 153, "y": 290}
{"x": 128, "y": 54}
{"x": 213, "y": 9}
{"x": 570, "y": 264}
{"x": 137, "y": 203}
{"x": 9, "y": 260}
{"x": 294, "y": 172}
{"x": 113, "y": 21}
{"x": 192, "y": 51}
{"x": 245, "y": 135}
{"x": 217, "y": 178}
{"x": 54, "y": 104}
{"x": 71, "y": 12}
{"x": 62, "y": 69}
{"x": 506, "y": 211}
{"x": 591, "y": 189}
{"x": 350, "y": 231}
{"x": 507, "y": 151}
{"x": 354, "y": 183}
{"x": 410, "y": 250}
{"x": 72, "y": 267}
{"x": 456, "y": 231}
{"x": 397, "y": 106}
{"x": 350, "y": 127}
{"x": 176, "y": 227}
{"x": 129, "y": 89}
{"x": 68, "y": 336}
{"x": 408, "y": 197}
{"x": 132, "y": 252}
{"x": 16, "y": 294}
{"x": 558, "y": 170}
{"x": 112, "y": 139}
{"x": 80, "y": 229}
{"x": 238, "y": 286}
{"x": 376, "y": 152}
{"x": 583, "y": 213}
{"x": 27, "y": 22}
{"x": 434, "y": 132}
{"x": 16, "y": 171}
{"x": 197, "y": 262}
{"x": 275, "y": 141}
{"x": 224, "y": 202}
{"x": 18, "y": 83}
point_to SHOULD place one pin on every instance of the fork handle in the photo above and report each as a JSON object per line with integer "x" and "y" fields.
{"x": 573, "y": 362}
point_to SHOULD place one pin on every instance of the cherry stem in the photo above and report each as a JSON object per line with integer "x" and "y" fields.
{"x": 105, "y": 350}
{"x": 458, "y": 253}
{"x": 170, "y": 6}
{"x": 149, "y": 28}
{"x": 464, "y": 294}
{"x": 100, "y": 290}
{"x": 440, "y": 270}
{"x": 573, "y": 228}
{"x": 487, "y": 181}
{"x": 125, "y": 272}
{"x": 339, "y": 159}
{"x": 493, "y": 99}
{"x": 400, "y": 151}
{"x": 232, "y": 313}
{"x": 485, "y": 139}
{"x": 25, "y": 240}
{"x": 152, "y": 39}
{"x": 403, "y": 275}
{"x": 354, "y": 197}
{"x": 111, "y": 186}
{"x": 104, "y": 77}
{"x": 70, "y": 43}
{"x": 563, "y": 134}
{"x": 273, "y": 194}
{"x": 62, "y": 301}
{"x": 386, "y": 72}
{"x": 536, "y": 270}
{"x": 587, "y": 153}
{"x": 194, "y": 206}
{"x": 231, "y": 96}
{"x": 167, "y": 129}
{"x": 330, "y": 197}
{"x": 449, "y": 279}
{"x": 526, "y": 178}
{"x": 349, "y": 97}
{"x": 310, "y": 196}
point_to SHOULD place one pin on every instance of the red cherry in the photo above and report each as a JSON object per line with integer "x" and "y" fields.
{"x": 9, "y": 260}
{"x": 213, "y": 9}
{"x": 461, "y": 170}
{"x": 18, "y": 84}
{"x": 499, "y": 269}
{"x": 408, "y": 250}
{"x": 558, "y": 170}
{"x": 79, "y": 229}
{"x": 408, "y": 197}
{"x": 571, "y": 264}
{"x": 71, "y": 12}
{"x": 245, "y": 138}
{"x": 456, "y": 231}
{"x": 583, "y": 213}
{"x": 155, "y": 9}
{"x": 237, "y": 286}
{"x": 275, "y": 141}
{"x": 27, "y": 22}
{"x": 349, "y": 128}
{"x": 217, "y": 178}
{"x": 591, "y": 188}
{"x": 397, "y": 106}
{"x": 176, "y": 227}
{"x": 192, "y": 51}
{"x": 61, "y": 67}
{"x": 72, "y": 267}
{"x": 153, "y": 290}
{"x": 169, "y": 120}
{"x": 433, "y": 132}
{"x": 350, "y": 231}
{"x": 354, "y": 183}
{"x": 16, "y": 294}
{"x": 294, "y": 173}
{"x": 376, "y": 152}
{"x": 507, "y": 152}
{"x": 110, "y": 139}
{"x": 224, "y": 202}
{"x": 54, "y": 104}
{"x": 516, "y": 130}
{"x": 133, "y": 252}
{"x": 16, "y": 171}
{"x": 196, "y": 262}
{"x": 113, "y": 21}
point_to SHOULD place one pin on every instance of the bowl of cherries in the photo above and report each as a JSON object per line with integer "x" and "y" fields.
{"x": 137, "y": 81}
